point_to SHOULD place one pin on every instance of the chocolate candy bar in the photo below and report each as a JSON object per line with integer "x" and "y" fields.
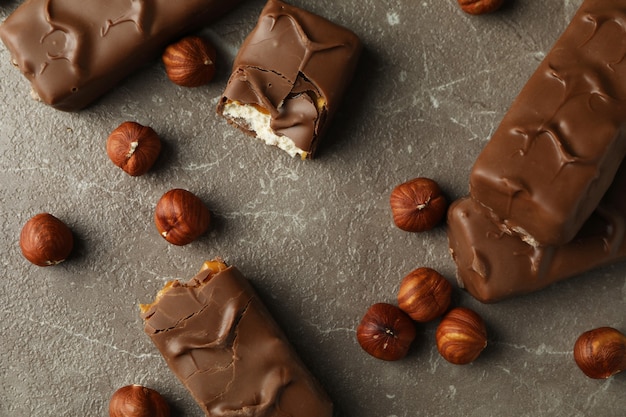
{"x": 221, "y": 342}
{"x": 493, "y": 264}
{"x": 558, "y": 147}
{"x": 289, "y": 77}
{"x": 73, "y": 51}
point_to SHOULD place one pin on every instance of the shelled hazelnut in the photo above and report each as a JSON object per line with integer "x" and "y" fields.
{"x": 424, "y": 294}
{"x": 138, "y": 401}
{"x": 461, "y": 336}
{"x": 386, "y": 332}
{"x": 418, "y": 205}
{"x": 190, "y": 62}
{"x": 45, "y": 240}
{"x": 477, "y": 7}
{"x": 601, "y": 353}
{"x": 181, "y": 217}
{"x": 133, "y": 147}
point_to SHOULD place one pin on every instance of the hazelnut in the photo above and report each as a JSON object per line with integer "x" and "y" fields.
{"x": 133, "y": 147}
{"x": 181, "y": 217}
{"x": 46, "y": 240}
{"x": 386, "y": 332}
{"x": 424, "y": 294}
{"x": 480, "y": 6}
{"x": 418, "y": 205}
{"x": 461, "y": 336}
{"x": 137, "y": 401}
{"x": 601, "y": 353}
{"x": 190, "y": 62}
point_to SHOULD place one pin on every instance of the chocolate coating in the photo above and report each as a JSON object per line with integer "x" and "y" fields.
{"x": 493, "y": 265}
{"x": 294, "y": 66}
{"x": 73, "y": 51}
{"x": 560, "y": 144}
{"x": 219, "y": 339}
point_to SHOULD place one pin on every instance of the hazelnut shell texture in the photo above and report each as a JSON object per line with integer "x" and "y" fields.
{"x": 45, "y": 240}
{"x": 601, "y": 353}
{"x": 190, "y": 62}
{"x": 424, "y": 294}
{"x": 418, "y": 205}
{"x": 386, "y": 332}
{"x": 181, "y": 217}
{"x": 478, "y": 7}
{"x": 461, "y": 336}
{"x": 133, "y": 147}
{"x": 138, "y": 401}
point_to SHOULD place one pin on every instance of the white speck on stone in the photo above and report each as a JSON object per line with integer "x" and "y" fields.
{"x": 403, "y": 76}
{"x": 434, "y": 102}
{"x": 393, "y": 18}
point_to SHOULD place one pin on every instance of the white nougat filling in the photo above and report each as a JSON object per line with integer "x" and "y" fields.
{"x": 259, "y": 122}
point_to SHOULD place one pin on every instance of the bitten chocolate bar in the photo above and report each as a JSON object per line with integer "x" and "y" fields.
{"x": 219, "y": 339}
{"x": 73, "y": 51}
{"x": 493, "y": 265}
{"x": 289, "y": 77}
{"x": 558, "y": 147}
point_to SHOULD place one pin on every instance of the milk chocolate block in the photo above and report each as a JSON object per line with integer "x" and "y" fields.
{"x": 218, "y": 338}
{"x": 73, "y": 51}
{"x": 289, "y": 77}
{"x": 558, "y": 147}
{"x": 493, "y": 265}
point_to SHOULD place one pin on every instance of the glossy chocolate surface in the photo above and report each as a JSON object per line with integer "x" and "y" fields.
{"x": 316, "y": 239}
{"x": 558, "y": 147}
{"x": 219, "y": 339}
{"x": 493, "y": 264}
{"x": 294, "y": 65}
{"x": 73, "y": 51}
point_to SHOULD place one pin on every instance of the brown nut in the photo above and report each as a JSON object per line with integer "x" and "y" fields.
{"x": 386, "y": 332}
{"x": 181, "y": 217}
{"x": 137, "y": 401}
{"x": 133, "y": 147}
{"x": 418, "y": 205}
{"x": 46, "y": 240}
{"x": 461, "y": 336}
{"x": 190, "y": 62}
{"x": 477, "y": 7}
{"x": 424, "y": 294}
{"x": 601, "y": 353}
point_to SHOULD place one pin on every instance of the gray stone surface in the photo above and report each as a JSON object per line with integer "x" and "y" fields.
{"x": 315, "y": 237}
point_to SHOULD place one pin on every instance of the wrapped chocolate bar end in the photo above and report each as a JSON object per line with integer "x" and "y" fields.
{"x": 289, "y": 77}
{"x": 221, "y": 342}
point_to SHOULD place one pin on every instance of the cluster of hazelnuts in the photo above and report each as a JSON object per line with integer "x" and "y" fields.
{"x": 180, "y": 217}
{"x": 387, "y": 331}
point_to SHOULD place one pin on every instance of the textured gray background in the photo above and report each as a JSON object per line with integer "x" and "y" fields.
{"x": 316, "y": 237}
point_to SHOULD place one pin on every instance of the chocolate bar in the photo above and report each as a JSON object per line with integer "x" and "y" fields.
{"x": 73, "y": 51}
{"x": 559, "y": 146}
{"x": 493, "y": 264}
{"x": 289, "y": 77}
{"x": 218, "y": 338}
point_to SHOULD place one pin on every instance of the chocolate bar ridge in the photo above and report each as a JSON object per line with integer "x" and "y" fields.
{"x": 293, "y": 68}
{"x": 218, "y": 338}
{"x": 493, "y": 265}
{"x": 73, "y": 51}
{"x": 559, "y": 146}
